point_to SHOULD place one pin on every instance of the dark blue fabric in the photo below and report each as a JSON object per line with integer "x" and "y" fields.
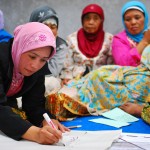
{"x": 135, "y": 127}
{"x": 4, "y": 36}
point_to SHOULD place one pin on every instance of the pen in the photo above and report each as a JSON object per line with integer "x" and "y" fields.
{"x": 49, "y": 121}
{"x": 72, "y": 127}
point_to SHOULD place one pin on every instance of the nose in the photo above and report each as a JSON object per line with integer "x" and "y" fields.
{"x": 35, "y": 65}
{"x": 91, "y": 21}
{"x": 133, "y": 21}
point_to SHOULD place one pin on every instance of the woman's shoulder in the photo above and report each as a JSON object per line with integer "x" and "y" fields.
{"x": 60, "y": 41}
{"x": 108, "y": 35}
{"x": 5, "y": 48}
{"x": 120, "y": 34}
{"x": 72, "y": 35}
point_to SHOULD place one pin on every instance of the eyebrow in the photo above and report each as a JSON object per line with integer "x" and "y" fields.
{"x": 39, "y": 56}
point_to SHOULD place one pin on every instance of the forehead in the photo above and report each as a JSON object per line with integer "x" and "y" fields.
{"x": 43, "y": 51}
{"x": 133, "y": 12}
{"x": 91, "y": 14}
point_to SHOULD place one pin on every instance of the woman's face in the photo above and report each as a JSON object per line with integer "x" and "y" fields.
{"x": 91, "y": 22}
{"x": 34, "y": 60}
{"x": 53, "y": 27}
{"x": 134, "y": 21}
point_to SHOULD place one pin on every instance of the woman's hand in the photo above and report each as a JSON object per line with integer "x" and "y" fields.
{"x": 60, "y": 126}
{"x": 57, "y": 124}
{"x": 146, "y": 37}
{"x": 44, "y": 135}
{"x": 132, "y": 108}
{"x": 64, "y": 82}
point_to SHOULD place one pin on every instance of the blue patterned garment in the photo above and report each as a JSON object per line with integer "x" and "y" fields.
{"x": 111, "y": 86}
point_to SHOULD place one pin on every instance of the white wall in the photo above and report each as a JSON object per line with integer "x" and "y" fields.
{"x": 69, "y": 11}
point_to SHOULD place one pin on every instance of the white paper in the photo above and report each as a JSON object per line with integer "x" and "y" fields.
{"x": 132, "y": 141}
{"x": 98, "y": 140}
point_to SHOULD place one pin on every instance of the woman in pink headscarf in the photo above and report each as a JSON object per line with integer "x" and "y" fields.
{"x": 89, "y": 47}
{"x": 22, "y": 63}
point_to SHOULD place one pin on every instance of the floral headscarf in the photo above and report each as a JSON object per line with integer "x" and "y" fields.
{"x": 44, "y": 13}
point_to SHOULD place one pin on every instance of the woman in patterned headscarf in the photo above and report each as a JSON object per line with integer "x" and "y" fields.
{"x": 128, "y": 45}
{"x": 21, "y": 74}
{"x": 4, "y": 35}
{"x": 89, "y": 47}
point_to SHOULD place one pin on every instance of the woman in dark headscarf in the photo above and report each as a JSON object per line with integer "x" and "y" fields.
{"x": 89, "y": 47}
{"x": 48, "y": 16}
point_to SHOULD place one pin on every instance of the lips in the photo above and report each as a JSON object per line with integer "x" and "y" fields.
{"x": 29, "y": 71}
{"x": 134, "y": 28}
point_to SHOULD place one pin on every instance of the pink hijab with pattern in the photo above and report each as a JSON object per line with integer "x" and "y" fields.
{"x": 28, "y": 37}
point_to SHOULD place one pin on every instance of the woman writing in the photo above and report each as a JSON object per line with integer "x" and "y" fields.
{"x": 128, "y": 45}
{"x": 22, "y": 63}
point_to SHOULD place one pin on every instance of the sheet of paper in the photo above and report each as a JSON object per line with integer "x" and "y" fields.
{"x": 120, "y": 115}
{"x": 99, "y": 140}
{"x": 135, "y": 137}
{"x": 110, "y": 122}
{"x": 133, "y": 141}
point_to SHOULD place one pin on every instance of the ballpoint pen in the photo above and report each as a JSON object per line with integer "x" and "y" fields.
{"x": 72, "y": 127}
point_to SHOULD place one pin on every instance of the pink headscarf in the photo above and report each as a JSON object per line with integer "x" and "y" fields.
{"x": 28, "y": 37}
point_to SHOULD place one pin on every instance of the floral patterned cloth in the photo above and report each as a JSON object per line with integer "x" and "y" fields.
{"x": 108, "y": 87}
{"x": 146, "y": 114}
{"x": 76, "y": 63}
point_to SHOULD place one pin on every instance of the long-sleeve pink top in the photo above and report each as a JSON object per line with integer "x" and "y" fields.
{"x": 123, "y": 51}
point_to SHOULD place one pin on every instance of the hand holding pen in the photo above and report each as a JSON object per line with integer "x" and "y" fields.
{"x": 58, "y": 125}
{"x": 50, "y": 123}
{"x": 44, "y": 135}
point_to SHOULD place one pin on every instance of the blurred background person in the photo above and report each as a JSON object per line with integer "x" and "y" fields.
{"x": 4, "y": 35}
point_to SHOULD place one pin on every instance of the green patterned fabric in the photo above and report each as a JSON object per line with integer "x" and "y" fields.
{"x": 111, "y": 86}
{"x": 146, "y": 114}
{"x": 108, "y": 87}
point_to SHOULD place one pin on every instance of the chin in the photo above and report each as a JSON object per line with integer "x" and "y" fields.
{"x": 27, "y": 74}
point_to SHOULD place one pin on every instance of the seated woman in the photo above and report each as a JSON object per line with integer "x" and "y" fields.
{"x": 128, "y": 45}
{"x": 49, "y": 17}
{"x": 89, "y": 47}
{"x": 108, "y": 87}
{"x": 22, "y": 64}
{"x": 4, "y": 35}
